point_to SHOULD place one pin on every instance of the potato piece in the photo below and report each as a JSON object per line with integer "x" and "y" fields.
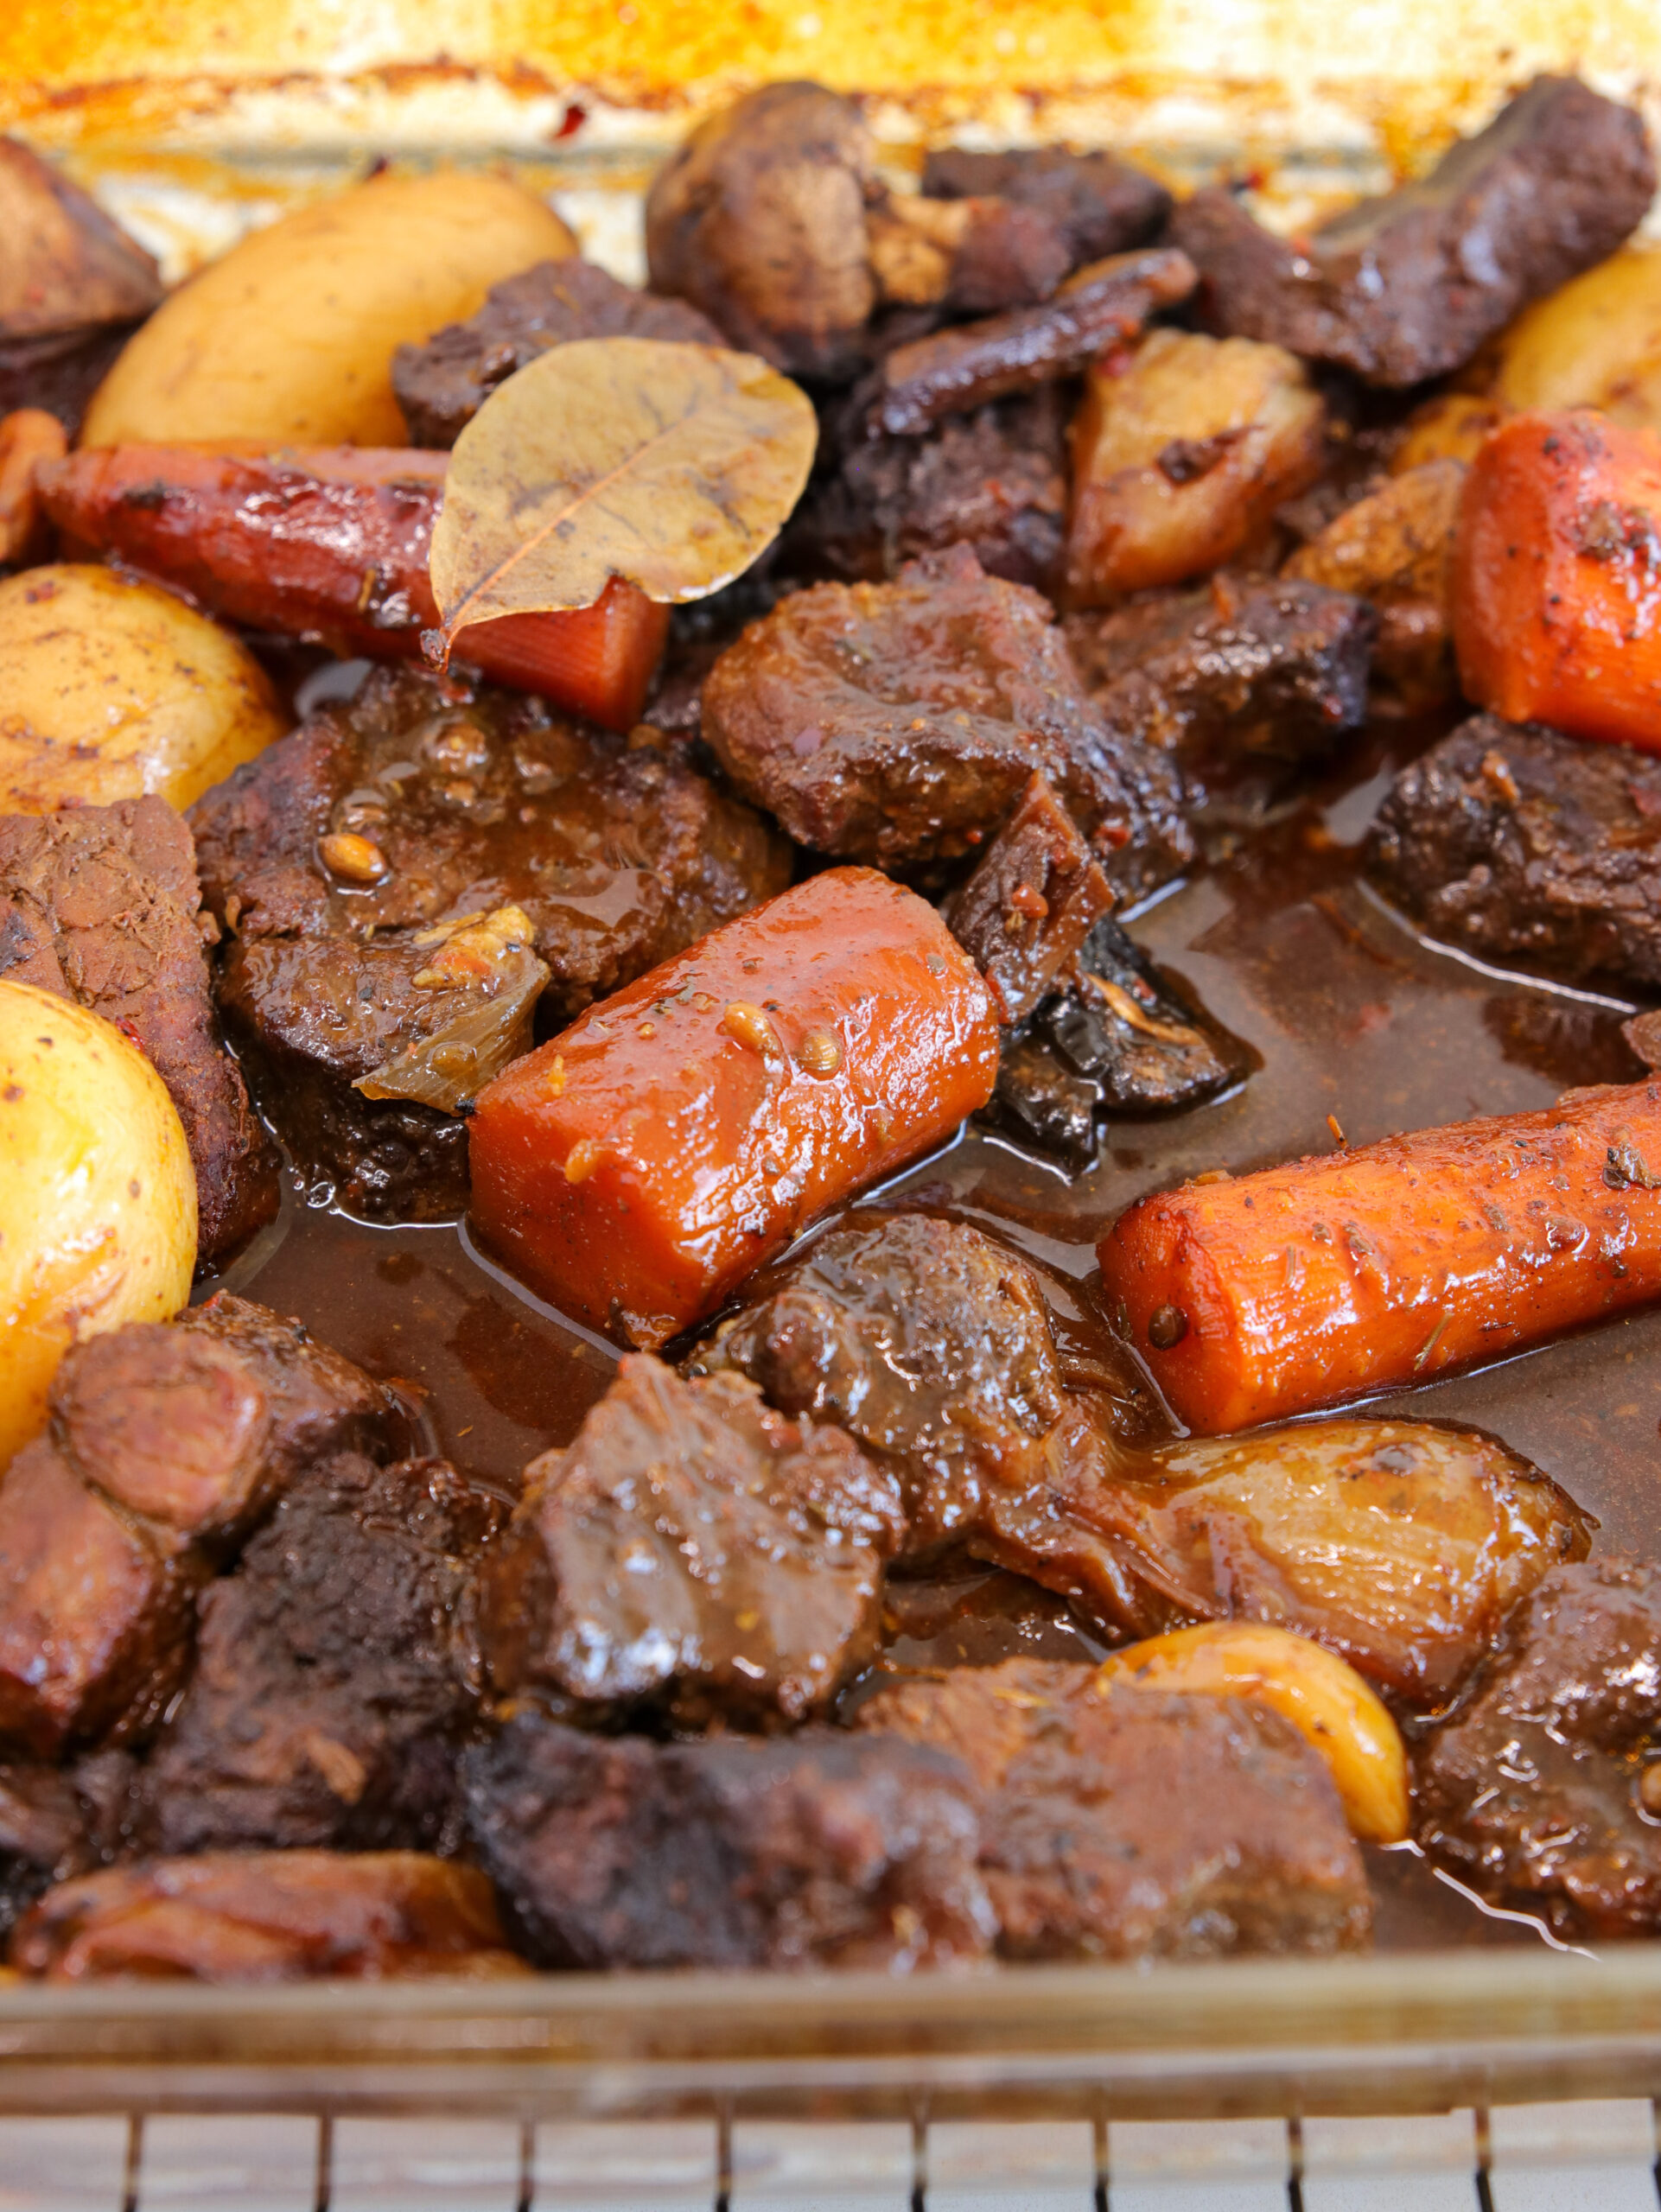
{"x": 1594, "y": 342}
{"x": 1450, "y": 427}
{"x": 110, "y": 688}
{"x": 289, "y": 339}
{"x": 1314, "y": 1688}
{"x": 97, "y": 1198}
{"x": 1181, "y": 453}
{"x": 1396, "y": 548}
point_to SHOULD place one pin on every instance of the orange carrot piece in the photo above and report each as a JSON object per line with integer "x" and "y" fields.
{"x": 1557, "y": 576}
{"x": 29, "y": 437}
{"x": 636, "y": 1168}
{"x": 1326, "y": 1278}
{"x": 331, "y": 544}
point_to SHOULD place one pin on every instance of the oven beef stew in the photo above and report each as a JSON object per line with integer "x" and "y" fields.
{"x": 980, "y": 1280}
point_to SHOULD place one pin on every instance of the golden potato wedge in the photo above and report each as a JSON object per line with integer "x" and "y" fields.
{"x": 1318, "y": 1692}
{"x": 1594, "y": 342}
{"x": 1396, "y": 548}
{"x": 1450, "y": 427}
{"x": 97, "y": 1197}
{"x": 288, "y": 338}
{"x": 110, "y": 688}
{"x": 1181, "y": 452}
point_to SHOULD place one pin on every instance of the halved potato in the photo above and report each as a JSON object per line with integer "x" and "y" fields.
{"x": 288, "y": 340}
{"x": 110, "y": 688}
{"x": 97, "y": 1197}
{"x": 1593, "y": 342}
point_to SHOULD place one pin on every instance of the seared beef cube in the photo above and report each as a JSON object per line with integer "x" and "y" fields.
{"x": 927, "y": 1342}
{"x": 268, "y": 1915}
{"x": 1542, "y": 1791}
{"x": 94, "y": 1610}
{"x": 1122, "y": 1824}
{"x": 971, "y": 256}
{"x": 442, "y": 386}
{"x": 43, "y": 1836}
{"x": 1101, "y": 204}
{"x": 1030, "y": 904}
{"x": 1408, "y": 285}
{"x": 1121, "y": 1023}
{"x": 900, "y": 723}
{"x": 197, "y": 1424}
{"x": 814, "y": 1850}
{"x": 919, "y": 384}
{"x": 1041, "y": 1103}
{"x": 994, "y": 480}
{"x": 693, "y": 1549}
{"x": 98, "y": 904}
{"x": 1509, "y": 840}
{"x": 337, "y": 855}
{"x": 1242, "y": 664}
{"x": 336, "y": 1675}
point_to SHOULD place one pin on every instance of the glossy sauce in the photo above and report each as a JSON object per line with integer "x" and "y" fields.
{"x": 1354, "y": 1018}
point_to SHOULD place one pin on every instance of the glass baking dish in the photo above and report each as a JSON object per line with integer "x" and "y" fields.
{"x": 193, "y": 121}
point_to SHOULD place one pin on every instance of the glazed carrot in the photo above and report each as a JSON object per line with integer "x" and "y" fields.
{"x": 29, "y": 437}
{"x": 1326, "y": 1278}
{"x": 1556, "y": 601}
{"x": 332, "y": 543}
{"x": 636, "y": 1169}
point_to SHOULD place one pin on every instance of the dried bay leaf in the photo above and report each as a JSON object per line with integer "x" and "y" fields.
{"x": 672, "y": 466}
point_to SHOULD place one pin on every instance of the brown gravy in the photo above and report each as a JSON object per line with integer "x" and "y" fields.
{"x": 1353, "y": 1016}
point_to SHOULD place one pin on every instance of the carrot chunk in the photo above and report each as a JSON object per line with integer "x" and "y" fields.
{"x": 1556, "y": 604}
{"x": 333, "y": 543}
{"x": 635, "y": 1170}
{"x": 1326, "y": 1278}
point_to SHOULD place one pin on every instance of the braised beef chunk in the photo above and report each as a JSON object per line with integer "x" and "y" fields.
{"x": 336, "y": 1674}
{"x": 952, "y": 372}
{"x": 268, "y": 1915}
{"x": 995, "y": 479}
{"x": 1122, "y": 1823}
{"x": 900, "y": 723}
{"x": 43, "y": 1836}
{"x": 1030, "y": 904}
{"x": 1509, "y": 840}
{"x": 812, "y": 1850}
{"x": 343, "y": 859}
{"x": 1542, "y": 1791}
{"x": 198, "y": 1424}
{"x": 1242, "y": 664}
{"x": 160, "y": 1434}
{"x": 442, "y": 386}
{"x": 694, "y": 1549}
{"x": 94, "y": 1608}
{"x": 1100, "y": 204}
{"x": 927, "y": 1342}
{"x": 98, "y": 904}
{"x": 1408, "y": 285}
{"x": 1116, "y": 1037}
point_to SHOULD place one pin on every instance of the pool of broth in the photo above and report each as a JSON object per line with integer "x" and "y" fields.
{"x": 1358, "y": 1023}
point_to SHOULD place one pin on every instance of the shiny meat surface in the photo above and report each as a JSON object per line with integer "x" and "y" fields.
{"x": 1100, "y": 204}
{"x": 336, "y": 1673}
{"x": 1407, "y": 286}
{"x": 1127, "y": 1824}
{"x": 1032, "y": 900}
{"x": 266, "y": 1915}
{"x": 442, "y": 386}
{"x": 1542, "y": 1790}
{"x": 98, "y": 904}
{"x": 693, "y": 1549}
{"x": 900, "y": 723}
{"x": 165, "y": 1441}
{"x": 1240, "y": 665}
{"x": 814, "y": 1850}
{"x": 333, "y": 857}
{"x": 1513, "y": 842}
